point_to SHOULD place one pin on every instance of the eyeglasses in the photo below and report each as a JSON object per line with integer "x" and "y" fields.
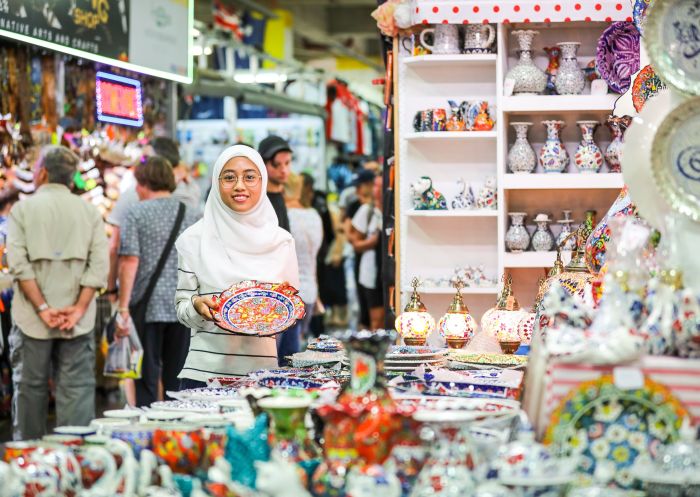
{"x": 249, "y": 179}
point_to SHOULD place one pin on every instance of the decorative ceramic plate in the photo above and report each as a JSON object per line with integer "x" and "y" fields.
{"x": 489, "y": 359}
{"x": 288, "y": 382}
{"x": 639, "y": 14}
{"x": 204, "y": 394}
{"x": 313, "y": 358}
{"x": 617, "y": 55}
{"x": 609, "y": 429}
{"x": 200, "y": 406}
{"x": 405, "y": 351}
{"x": 258, "y": 309}
{"x": 646, "y": 85}
{"x": 233, "y": 382}
{"x": 671, "y": 39}
{"x": 675, "y": 158}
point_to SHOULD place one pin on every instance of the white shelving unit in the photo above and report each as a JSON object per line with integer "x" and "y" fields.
{"x": 431, "y": 244}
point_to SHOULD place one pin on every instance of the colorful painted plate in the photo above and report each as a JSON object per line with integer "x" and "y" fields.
{"x": 639, "y": 14}
{"x": 610, "y": 429}
{"x": 670, "y": 36}
{"x": 258, "y": 309}
{"x": 646, "y": 85}
{"x": 288, "y": 382}
{"x": 675, "y": 158}
{"x": 405, "y": 351}
{"x": 617, "y": 55}
{"x": 490, "y": 359}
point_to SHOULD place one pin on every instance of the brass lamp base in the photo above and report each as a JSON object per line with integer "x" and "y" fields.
{"x": 509, "y": 347}
{"x": 414, "y": 341}
{"x": 457, "y": 343}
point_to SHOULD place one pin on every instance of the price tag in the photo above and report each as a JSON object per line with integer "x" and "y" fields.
{"x": 626, "y": 378}
{"x": 599, "y": 87}
{"x": 508, "y": 86}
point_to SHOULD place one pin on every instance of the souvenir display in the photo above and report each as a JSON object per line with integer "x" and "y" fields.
{"x": 414, "y": 324}
{"x": 425, "y": 197}
{"x": 456, "y": 120}
{"x": 463, "y": 116}
{"x": 526, "y": 76}
{"x": 482, "y": 121}
{"x": 569, "y": 79}
{"x": 553, "y": 157}
{"x": 552, "y": 68}
{"x": 521, "y": 157}
{"x": 457, "y": 326}
{"x": 258, "y": 309}
{"x": 465, "y": 197}
{"x": 469, "y": 276}
{"x": 445, "y": 39}
{"x": 617, "y": 55}
{"x": 487, "y": 197}
{"x": 517, "y": 236}
{"x": 613, "y": 154}
{"x": 670, "y": 42}
{"x": 564, "y": 239}
{"x": 542, "y": 239}
{"x": 479, "y": 39}
{"x": 588, "y": 157}
{"x": 647, "y": 84}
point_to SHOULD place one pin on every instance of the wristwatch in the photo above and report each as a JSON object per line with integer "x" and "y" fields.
{"x": 43, "y": 307}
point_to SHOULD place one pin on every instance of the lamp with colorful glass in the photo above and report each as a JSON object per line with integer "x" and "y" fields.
{"x": 502, "y": 321}
{"x": 415, "y": 323}
{"x": 457, "y": 326}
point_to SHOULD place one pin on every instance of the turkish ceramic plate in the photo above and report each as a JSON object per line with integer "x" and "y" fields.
{"x": 258, "y": 309}
{"x": 647, "y": 84}
{"x": 234, "y": 382}
{"x": 288, "y": 382}
{"x": 639, "y": 13}
{"x": 489, "y": 359}
{"x": 671, "y": 38}
{"x": 200, "y": 406}
{"x": 611, "y": 429}
{"x": 314, "y": 358}
{"x": 636, "y": 161}
{"x": 617, "y": 55}
{"x": 675, "y": 158}
{"x": 405, "y": 351}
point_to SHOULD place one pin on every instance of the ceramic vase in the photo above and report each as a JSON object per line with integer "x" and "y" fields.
{"x": 613, "y": 154}
{"x": 552, "y": 68}
{"x": 566, "y": 231}
{"x": 288, "y": 436}
{"x": 570, "y": 78}
{"x": 588, "y": 158}
{"x": 517, "y": 237}
{"x": 553, "y": 157}
{"x": 528, "y": 78}
{"x": 521, "y": 157}
{"x": 542, "y": 239}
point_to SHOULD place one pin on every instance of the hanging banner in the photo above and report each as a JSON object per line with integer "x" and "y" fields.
{"x": 149, "y": 36}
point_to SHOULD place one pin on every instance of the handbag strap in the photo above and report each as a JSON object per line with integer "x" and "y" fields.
{"x": 164, "y": 256}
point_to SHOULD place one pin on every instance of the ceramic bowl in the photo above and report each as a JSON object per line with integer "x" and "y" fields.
{"x": 105, "y": 426}
{"x": 139, "y": 437}
{"x": 165, "y": 416}
{"x": 130, "y": 414}
{"x": 78, "y": 431}
{"x": 63, "y": 439}
{"x": 180, "y": 446}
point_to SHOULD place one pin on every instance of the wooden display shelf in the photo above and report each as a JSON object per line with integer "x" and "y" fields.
{"x": 473, "y": 290}
{"x": 452, "y": 59}
{"x": 533, "y": 259}
{"x": 451, "y": 135}
{"x": 563, "y": 181}
{"x": 454, "y": 213}
{"x": 559, "y": 103}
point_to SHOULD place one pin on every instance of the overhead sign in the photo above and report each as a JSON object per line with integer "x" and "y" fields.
{"x": 118, "y": 99}
{"x": 148, "y": 36}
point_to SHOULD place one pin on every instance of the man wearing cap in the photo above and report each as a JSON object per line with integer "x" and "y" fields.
{"x": 277, "y": 155}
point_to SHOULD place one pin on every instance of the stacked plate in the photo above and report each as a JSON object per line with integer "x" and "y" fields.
{"x": 405, "y": 359}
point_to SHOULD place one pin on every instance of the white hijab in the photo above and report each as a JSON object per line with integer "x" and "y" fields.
{"x": 226, "y": 247}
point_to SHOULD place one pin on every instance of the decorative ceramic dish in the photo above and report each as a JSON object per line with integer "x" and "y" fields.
{"x": 671, "y": 39}
{"x": 646, "y": 85}
{"x": 488, "y": 359}
{"x": 405, "y": 352}
{"x": 639, "y": 14}
{"x": 200, "y": 406}
{"x": 617, "y": 55}
{"x": 675, "y": 158}
{"x": 310, "y": 358}
{"x": 610, "y": 429}
{"x": 258, "y": 309}
{"x": 288, "y": 382}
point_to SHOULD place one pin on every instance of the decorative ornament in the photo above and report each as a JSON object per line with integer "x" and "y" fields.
{"x": 457, "y": 326}
{"x": 415, "y": 323}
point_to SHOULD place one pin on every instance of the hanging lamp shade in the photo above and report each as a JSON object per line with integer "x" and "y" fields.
{"x": 457, "y": 326}
{"x": 414, "y": 324}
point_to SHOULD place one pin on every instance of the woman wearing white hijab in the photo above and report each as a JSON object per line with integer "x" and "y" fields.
{"x": 237, "y": 239}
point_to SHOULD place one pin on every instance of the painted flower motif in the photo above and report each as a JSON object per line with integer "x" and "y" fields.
{"x": 587, "y": 464}
{"x": 578, "y": 441}
{"x": 616, "y": 433}
{"x": 608, "y": 410}
{"x": 624, "y": 478}
{"x": 658, "y": 426}
{"x": 600, "y": 448}
{"x": 596, "y": 430}
{"x": 621, "y": 454}
{"x": 631, "y": 421}
{"x": 638, "y": 441}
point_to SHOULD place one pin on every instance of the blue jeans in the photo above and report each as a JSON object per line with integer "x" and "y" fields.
{"x": 288, "y": 343}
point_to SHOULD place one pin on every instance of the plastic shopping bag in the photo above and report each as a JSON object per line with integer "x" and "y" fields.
{"x": 124, "y": 355}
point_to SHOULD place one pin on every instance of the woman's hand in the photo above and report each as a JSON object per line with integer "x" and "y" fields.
{"x": 204, "y": 307}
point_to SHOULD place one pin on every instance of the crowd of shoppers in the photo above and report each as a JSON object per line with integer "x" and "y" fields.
{"x": 165, "y": 261}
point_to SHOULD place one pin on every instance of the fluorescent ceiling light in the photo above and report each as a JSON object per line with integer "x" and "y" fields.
{"x": 261, "y": 77}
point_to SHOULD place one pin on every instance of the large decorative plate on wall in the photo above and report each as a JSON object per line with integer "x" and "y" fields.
{"x": 258, "y": 309}
{"x": 610, "y": 429}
